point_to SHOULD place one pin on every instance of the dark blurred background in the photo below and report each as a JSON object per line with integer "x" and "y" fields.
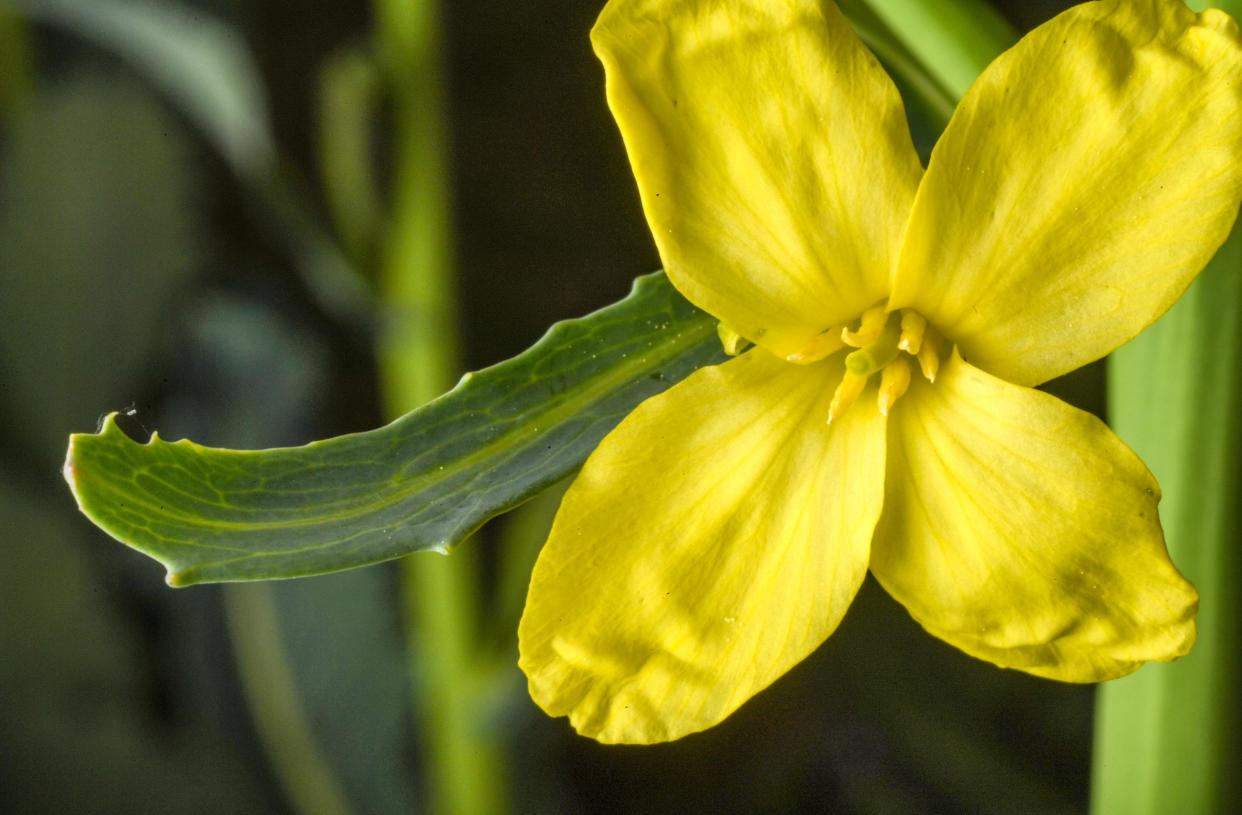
{"x": 186, "y": 260}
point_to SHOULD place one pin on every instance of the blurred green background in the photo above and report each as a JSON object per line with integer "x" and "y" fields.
{"x": 193, "y": 201}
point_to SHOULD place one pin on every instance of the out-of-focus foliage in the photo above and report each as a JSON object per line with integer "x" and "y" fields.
{"x": 97, "y": 234}
{"x": 81, "y": 723}
{"x": 201, "y": 63}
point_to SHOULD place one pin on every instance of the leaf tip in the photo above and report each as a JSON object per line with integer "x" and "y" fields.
{"x": 70, "y": 470}
{"x": 179, "y": 580}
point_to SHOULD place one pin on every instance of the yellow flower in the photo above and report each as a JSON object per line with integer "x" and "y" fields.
{"x": 718, "y": 534}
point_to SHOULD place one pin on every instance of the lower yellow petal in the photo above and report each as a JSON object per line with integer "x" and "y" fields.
{"x": 713, "y": 540}
{"x": 1024, "y": 532}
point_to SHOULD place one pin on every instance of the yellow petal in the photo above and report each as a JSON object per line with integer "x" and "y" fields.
{"x": 1024, "y": 532}
{"x": 1085, "y": 179}
{"x": 772, "y": 156}
{"x": 712, "y": 541}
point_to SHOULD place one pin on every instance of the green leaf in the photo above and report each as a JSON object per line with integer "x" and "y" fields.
{"x": 954, "y": 39}
{"x": 922, "y": 82}
{"x": 425, "y": 481}
{"x": 1167, "y": 735}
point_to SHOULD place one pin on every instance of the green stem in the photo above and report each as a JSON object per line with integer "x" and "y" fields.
{"x": 348, "y": 102}
{"x": 419, "y": 349}
{"x": 418, "y": 357}
{"x": 272, "y": 694}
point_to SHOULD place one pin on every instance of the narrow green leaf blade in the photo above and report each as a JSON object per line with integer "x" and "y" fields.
{"x": 425, "y": 481}
{"x": 1166, "y": 736}
{"x": 954, "y": 39}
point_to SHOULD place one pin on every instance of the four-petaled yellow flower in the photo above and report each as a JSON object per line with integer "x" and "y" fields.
{"x": 717, "y": 535}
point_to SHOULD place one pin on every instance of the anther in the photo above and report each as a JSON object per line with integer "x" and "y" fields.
{"x": 871, "y": 325}
{"x": 733, "y": 342}
{"x": 846, "y": 394}
{"x": 913, "y": 325}
{"x": 893, "y": 384}
{"x": 822, "y": 346}
{"x": 929, "y": 356}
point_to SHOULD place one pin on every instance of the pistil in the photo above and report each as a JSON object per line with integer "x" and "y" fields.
{"x": 884, "y": 342}
{"x": 881, "y": 351}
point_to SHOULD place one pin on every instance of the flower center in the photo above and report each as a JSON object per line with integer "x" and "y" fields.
{"x": 883, "y": 341}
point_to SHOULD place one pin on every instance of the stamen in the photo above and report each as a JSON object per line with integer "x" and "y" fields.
{"x": 893, "y": 383}
{"x": 871, "y": 325}
{"x": 846, "y": 394}
{"x": 913, "y": 325}
{"x": 929, "y": 356}
{"x": 884, "y": 344}
{"x": 881, "y": 351}
{"x": 822, "y": 346}
{"x": 733, "y": 342}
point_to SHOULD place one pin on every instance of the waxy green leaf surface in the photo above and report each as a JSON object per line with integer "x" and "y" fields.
{"x": 426, "y": 481}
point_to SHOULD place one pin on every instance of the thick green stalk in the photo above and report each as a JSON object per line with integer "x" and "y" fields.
{"x": 419, "y": 360}
{"x": 348, "y": 101}
{"x": 419, "y": 349}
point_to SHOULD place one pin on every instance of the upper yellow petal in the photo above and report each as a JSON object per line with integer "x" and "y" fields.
{"x": 1085, "y": 179}
{"x": 713, "y": 540}
{"x": 1024, "y": 532}
{"x": 772, "y": 156}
